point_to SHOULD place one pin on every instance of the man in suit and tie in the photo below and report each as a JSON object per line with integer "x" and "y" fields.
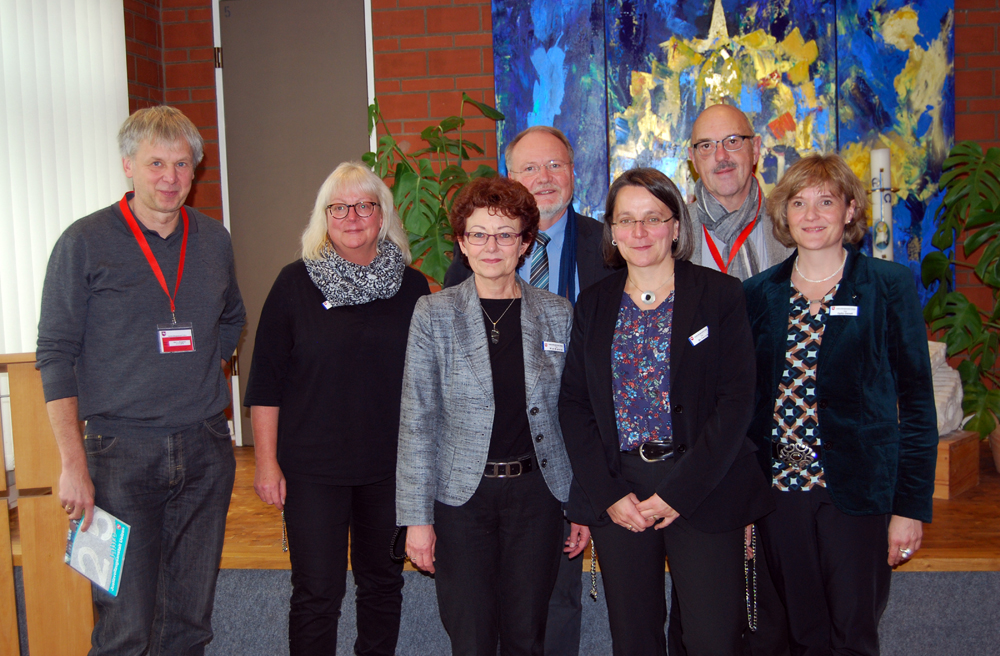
{"x": 566, "y": 259}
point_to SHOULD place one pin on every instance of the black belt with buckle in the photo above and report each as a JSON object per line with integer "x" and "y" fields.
{"x": 511, "y": 469}
{"x": 654, "y": 450}
{"x": 793, "y": 454}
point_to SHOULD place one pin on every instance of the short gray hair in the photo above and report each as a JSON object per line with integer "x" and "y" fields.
{"x": 159, "y": 125}
{"x": 356, "y": 177}
{"x": 547, "y": 129}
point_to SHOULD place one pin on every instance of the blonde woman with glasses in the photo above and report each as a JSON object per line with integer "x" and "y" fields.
{"x": 323, "y": 393}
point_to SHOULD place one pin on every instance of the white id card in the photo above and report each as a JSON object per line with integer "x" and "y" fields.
{"x": 559, "y": 347}
{"x": 699, "y": 336}
{"x": 843, "y": 310}
{"x": 175, "y": 337}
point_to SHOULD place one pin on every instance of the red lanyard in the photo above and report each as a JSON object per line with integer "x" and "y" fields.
{"x": 153, "y": 264}
{"x": 724, "y": 267}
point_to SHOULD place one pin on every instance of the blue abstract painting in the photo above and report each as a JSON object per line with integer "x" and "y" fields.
{"x": 812, "y": 75}
{"x": 550, "y": 70}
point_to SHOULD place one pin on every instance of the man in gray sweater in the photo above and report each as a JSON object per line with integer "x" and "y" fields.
{"x": 140, "y": 311}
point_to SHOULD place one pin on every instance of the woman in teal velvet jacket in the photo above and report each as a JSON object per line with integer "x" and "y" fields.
{"x": 844, "y": 414}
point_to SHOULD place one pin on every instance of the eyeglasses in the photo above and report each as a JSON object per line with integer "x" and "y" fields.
{"x": 732, "y": 143}
{"x": 554, "y": 167}
{"x": 363, "y": 209}
{"x": 650, "y": 223}
{"x": 483, "y": 238}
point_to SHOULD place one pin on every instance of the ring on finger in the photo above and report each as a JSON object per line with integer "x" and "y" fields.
{"x": 906, "y": 553}
{"x": 69, "y": 510}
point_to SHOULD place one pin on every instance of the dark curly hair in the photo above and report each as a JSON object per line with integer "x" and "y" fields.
{"x": 500, "y": 196}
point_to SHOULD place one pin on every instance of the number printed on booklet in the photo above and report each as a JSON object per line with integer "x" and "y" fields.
{"x": 99, "y": 553}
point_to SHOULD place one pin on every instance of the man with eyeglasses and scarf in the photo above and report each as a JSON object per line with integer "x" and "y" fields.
{"x": 733, "y": 235}
{"x": 728, "y": 210}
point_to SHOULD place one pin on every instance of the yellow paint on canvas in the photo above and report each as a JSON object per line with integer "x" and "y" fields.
{"x": 900, "y": 27}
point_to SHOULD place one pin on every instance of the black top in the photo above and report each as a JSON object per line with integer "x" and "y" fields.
{"x": 336, "y": 375}
{"x": 511, "y": 436}
{"x": 716, "y": 483}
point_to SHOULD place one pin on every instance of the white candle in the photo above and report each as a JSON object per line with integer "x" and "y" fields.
{"x": 881, "y": 186}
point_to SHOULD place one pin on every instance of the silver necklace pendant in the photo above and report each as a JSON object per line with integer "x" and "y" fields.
{"x": 648, "y": 298}
{"x": 495, "y": 334}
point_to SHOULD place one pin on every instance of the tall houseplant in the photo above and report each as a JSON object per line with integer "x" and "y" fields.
{"x": 971, "y": 207}
{"x": 424, "y": 182}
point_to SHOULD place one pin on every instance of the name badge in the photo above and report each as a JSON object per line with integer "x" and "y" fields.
{"x": 844, "y": 310}
{"x": 699, "y": 336}
{"x": 175, "y": 337}
{"x": 327, "y": 305}
{"x": 554, "y": 346}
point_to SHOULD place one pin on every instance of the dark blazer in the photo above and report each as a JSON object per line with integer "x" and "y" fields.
{"x": 873, "y": 384}
{"x": 589, "y": 259}
{"x": 716, "y": 483}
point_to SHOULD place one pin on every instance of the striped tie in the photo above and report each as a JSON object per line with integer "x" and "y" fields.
{"x": 540, "y": 262}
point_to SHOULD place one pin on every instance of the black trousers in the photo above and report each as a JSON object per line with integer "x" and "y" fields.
{"x": 562, "y": 630}
{"x": 319, "y": 518}
{"x": 706, "y": 570}
{"x": 496, "y": 562}
{"x": 830, "y": 571}
{"x": 771, "y": 636}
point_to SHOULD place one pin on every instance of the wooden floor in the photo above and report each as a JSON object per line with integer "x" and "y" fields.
{"x": 965, "y": 535}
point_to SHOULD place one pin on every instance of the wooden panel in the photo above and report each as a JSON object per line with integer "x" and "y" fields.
{"x": 957, "y": 464}
{"x": 8, "y": 606}
{"x": 36, "y": 455}
{"x": 57, "y": 599}
{"x": 15, "y": 358}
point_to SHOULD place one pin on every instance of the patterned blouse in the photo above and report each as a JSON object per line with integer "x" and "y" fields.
{"x": 796, "y": 424}
{"x": 640, "y": 368}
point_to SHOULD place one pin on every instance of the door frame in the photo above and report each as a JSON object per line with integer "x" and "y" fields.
{"x": 220, "y": 109}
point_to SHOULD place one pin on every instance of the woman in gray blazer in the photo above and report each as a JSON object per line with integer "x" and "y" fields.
{"x": 481, "y": 468}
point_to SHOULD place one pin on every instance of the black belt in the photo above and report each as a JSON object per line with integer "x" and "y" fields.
{"x": 654, "y": 450}
{"x": 793, "y": 454}
{"x": 512, "y": 468}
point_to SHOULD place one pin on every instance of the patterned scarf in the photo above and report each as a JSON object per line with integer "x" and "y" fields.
{"x": 726, "y": 226}
{"x": 346, "y": 283}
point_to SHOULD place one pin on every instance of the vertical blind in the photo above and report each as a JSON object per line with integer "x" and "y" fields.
{"x": 63, "y": 96}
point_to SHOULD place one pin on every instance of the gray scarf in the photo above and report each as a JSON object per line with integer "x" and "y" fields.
{"x": 346, "y": 283}
{"x": 726, "y": 226}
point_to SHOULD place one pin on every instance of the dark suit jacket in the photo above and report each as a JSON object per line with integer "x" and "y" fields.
{"x": 589, "y": 258}
{"x": 716, "y": 484}
{"x": 873, "y": 382}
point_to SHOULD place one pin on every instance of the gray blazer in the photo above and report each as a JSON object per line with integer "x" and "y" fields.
{"x": 446, "y": 415}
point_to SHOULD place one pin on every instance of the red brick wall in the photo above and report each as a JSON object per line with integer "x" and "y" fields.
{"x": 144, "y": 53}
{"x": 178, "y": 34}
{"x": 977, "y": 62}
{"x": 427, "y": 52}
{"x": 977, "y": 106}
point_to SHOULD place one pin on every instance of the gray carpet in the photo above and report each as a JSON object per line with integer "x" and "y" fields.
{"x": 929, "y": 613}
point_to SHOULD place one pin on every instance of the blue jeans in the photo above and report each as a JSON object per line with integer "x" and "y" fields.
{"x": 174, "y": 491}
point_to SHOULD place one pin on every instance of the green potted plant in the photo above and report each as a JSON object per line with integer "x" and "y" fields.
{"x": 424, "y": 182}
{"x": 971, "y": 208}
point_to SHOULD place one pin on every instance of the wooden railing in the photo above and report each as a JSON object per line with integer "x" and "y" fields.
{"x": 57, "y": 601}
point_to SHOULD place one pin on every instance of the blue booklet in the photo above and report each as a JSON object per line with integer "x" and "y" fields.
{"x": 98, "y": 553}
